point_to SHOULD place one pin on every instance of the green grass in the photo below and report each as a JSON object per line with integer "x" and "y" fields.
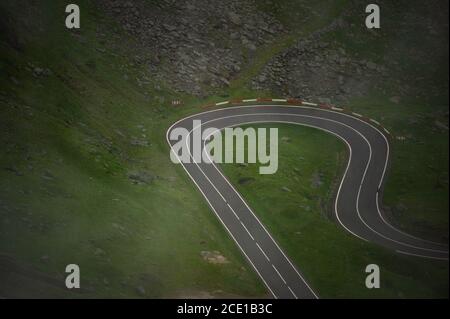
{"x": 332, "y": 260}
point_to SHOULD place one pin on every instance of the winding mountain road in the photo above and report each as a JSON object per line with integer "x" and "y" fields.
{"x": 357, "y": 206}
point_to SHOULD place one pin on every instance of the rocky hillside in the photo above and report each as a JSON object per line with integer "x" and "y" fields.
{"x": 193, "y": 46}
{"x": 345, "y": 60}
{"x": 200, "y": 47}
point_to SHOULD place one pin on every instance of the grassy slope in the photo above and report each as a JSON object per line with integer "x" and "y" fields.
{"x": 66, "y": 197}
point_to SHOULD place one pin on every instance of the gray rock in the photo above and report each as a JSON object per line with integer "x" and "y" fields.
{"x": 324, "y": 100}
{"x": 395, "y": 99}
{"x": 316, "y": 180}
{"x": 99, "y": 252}
{"x": 245, "y": 180}
{"x": 139, "y": 142}
{"x": 371, "y": 66}
{"x": 236, "y": 19}
{"x": 141, "y": 177}
{"x": 441, "y": 125}
{"x": 140, "y": 290}
{"x": 48, "y": 175}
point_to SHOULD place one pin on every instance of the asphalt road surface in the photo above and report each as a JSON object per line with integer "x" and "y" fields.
{"x": 357, "y": 206}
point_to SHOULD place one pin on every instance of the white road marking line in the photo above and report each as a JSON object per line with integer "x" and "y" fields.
{"x": 384, "y": 170}
{"x": 279, "y": 274}
{"x": 247, "y": 230}
{"x": 359, "y": 193}
{"x": 416, "y": 255}
{"x": 337, "y": 109}
{"x": 279, "y": 100}
{"x": 249, "y": 100}
{"x": 222, "y": 103}
{"x": 288, "y": 122}
{"x": 267, "y": 257}
{"x": 248, "y": 207}
{"x": 357, "y": 114}
{"x": 292, "y": 292}
{"x": 218, "y": 216}
{"x": 305, "y": 103}
{"x": 309, "y": 104}
{"x": 357, "y": 200}
{"x": 193, "y": 161}
{"x": 378, "y": 193}
{"x": 234, "y": 212}
{"x": 381, "y": 183}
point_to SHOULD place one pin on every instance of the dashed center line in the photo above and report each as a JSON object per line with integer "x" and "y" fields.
{"x": 247, "y": 230}
{"x": 234, "y": 212}
{"x": 279, "y": 274}
{"x": 292, "y": 292}
{"x": 280, "y": 264}
{"x": 267, "y": 257}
